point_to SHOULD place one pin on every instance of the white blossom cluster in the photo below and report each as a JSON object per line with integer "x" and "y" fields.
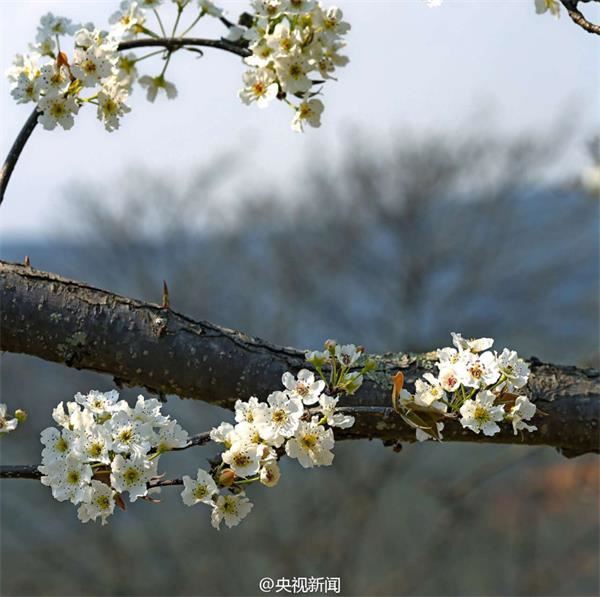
{"x": 478, "y": 386}
{"x": 291, "y": 41}
{"x": 541, "y": 6}
{"x": 297, "y": 421}
{"x": 296, "y": 48}
{"x": 103, "y": 448}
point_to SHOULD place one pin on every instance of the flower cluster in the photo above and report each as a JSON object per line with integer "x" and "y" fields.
{"x": 474, "y": 384}
{"x": 60, "y": 84}
{"x": 297, "y": 421}
{"x": 105, "y": 448}
{"x": 296, "y": 48}
{"x": 290, "y": 41}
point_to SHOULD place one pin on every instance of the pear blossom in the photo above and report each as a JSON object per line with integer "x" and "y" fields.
{"x": 292, "y": 72}
{"x": 480, "y": 414}
{"x": 128, "y": 436}
{"x": 260, "y": 86}
{"x": 201, "y": 489}
{"x": 171, "y": 436}
{"x": 248, "y": 410}
{"x": 7, "y": 424}
{"x": 270, "y": 473}
{"x": 551, "y": 6}
{"x": 478, "y": 345}
{"x": 243, "y": 459}
{"x": 54, "y": 80}
{"x": 97, "y": 402}
{"x": 522, "y": 411}
{"x": 68, "y": 478}
{"x": 55, "y": 110}
{"x": 101, "y": 503}
{"x": 57, "y": 444}
{"x": 309, "y": 112}
{"x": 209, "y": 8}
{"x": 231, "y": 509}
{"x": 281, "y": 419}
{"x": 514, "y": 369}
{"x": 328, "y": 406}
{"x": 111, "y": 105}
{"x": 132, "y": 475}
{"x": 91, "y": 66}
{"x": 303, "y": 386}
{"x": 222, "y": 434}
{"x": 347, "y": 354}
{"x": 128, "y": 21}
{"x": 481, "y": 370}
{"x": 311, "y": 444}
{"x": 50, "y": 26}
{"x": 153, "y": 84}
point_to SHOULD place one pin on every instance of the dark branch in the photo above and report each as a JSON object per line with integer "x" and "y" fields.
{"x": 578, "y": 18}
{"x": 145, "y": 345}
{"x": 170, "y": 44}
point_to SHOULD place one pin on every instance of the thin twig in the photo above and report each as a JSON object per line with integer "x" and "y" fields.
{"x": 171, "y": 44}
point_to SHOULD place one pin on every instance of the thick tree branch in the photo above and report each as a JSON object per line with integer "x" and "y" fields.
{"x": 148, "y": 346}
{"x": 170, "y": 44}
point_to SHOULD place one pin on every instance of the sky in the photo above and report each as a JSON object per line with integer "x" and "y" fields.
{"x": 476, "y": 64}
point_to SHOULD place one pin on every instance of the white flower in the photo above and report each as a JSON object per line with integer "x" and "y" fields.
{"x": 128, "y": 436}
{"x": 248, "y": 410}
{"x": 513, "y": 368}
{"x": 132, "y": 475}
{"x": 283, "y": 41}
{"x": 68, "y": 478}
{"x": 57, "y": 110}
{"x": 328, "y": 405}
{"x": 309, "y": 111}
{"x": 542, "y": 6}
{"x": 93, "y": 444}
{"x": 481, "y": 370}
{"x": 243, "y": 459}
{"x": 222, "y": 434}
{"x": 54, "y": 80}
{"x": 200, "y": 489}
{"x": 98, "y": 402}
{"x": 299, "y": 6}
{"x": 347, "y": 354}
{"x": 332, "y": 23}
{"x": 522, "y": 411}
{"x": 270, "y": 474}
{"x": 91, "y": 66}
{"x": 260, "y": 86}
{"x": 450, "y": 378}
{"x": 147, "y": 411}
{"x": 292, "y": 72}
{"x": 171, "y": 436}
{"x": 478, "y": 345}
{"x": 23, "y": 64}
{"x": 430, "y": 392}
{"x": 51, "y": 26}
{"x": 154, "y": 84}
{"x": 230, "y": 508}
{"x": 58, "y": 445}
{"x": 209, "y": 8}
{"x": 481, "y": 414}
{"x": 268, "y": 8}
{"x": 281, "y": 419}
{"x": 126, "y": 72}
{"x": 101, "y": 503}
{"x": 311, "y": 444}
{"x": 303, "y": 386}
{"x": 127, "y": 22}
{"x": 247, "y": 433}
{"x": 6, "y": 424}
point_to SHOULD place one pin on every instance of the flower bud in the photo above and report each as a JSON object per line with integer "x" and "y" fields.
{"x": 226, "y": 478}
{"x": 330, "y": 345}
{"x": 20, "y": 415}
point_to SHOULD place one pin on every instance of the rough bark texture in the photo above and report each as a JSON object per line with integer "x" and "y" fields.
{"x": 144, "y": 345}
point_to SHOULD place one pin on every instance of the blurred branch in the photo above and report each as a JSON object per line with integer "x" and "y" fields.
{"x": 578, "y": 18}
{"x": 145, "y": 345}
{"x": 170, "y": 44}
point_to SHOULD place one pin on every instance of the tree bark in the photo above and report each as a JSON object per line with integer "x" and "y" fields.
{"x": 149, "y": 346}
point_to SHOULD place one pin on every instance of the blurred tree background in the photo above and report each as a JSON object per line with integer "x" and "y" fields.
{"x": 393, "y": 246}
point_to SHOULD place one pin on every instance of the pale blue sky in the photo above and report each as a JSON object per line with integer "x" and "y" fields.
{"x": 479, "y": 62}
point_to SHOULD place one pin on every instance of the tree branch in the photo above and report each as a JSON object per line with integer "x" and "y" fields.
{"x": 578, "y": 18}
{"x": 171, "y": 44}
{"x": 145, "y": 345}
